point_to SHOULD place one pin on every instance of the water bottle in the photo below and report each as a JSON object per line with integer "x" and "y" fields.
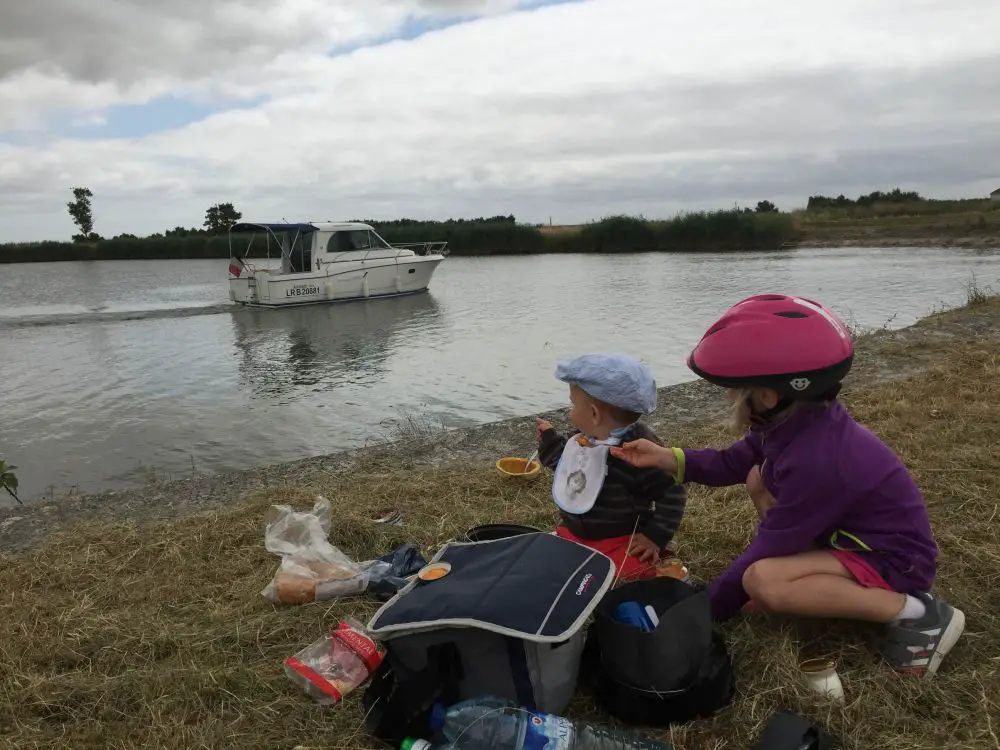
{"x": 500, "y": 725}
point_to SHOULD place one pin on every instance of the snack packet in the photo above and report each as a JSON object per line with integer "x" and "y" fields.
{"x": 336, "y": 664}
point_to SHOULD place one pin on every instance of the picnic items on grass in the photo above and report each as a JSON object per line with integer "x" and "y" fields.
{"x": 311, "y": 568}
{"x": 333, "y": 666}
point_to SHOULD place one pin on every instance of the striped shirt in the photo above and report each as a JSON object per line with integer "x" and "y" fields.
{"x": 650, "y": 496}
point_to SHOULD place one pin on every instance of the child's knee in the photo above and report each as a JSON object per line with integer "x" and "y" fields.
{"x": 763, "y": 583}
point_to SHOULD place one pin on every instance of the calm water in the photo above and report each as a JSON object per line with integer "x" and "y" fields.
{"x": 113, "y": 370}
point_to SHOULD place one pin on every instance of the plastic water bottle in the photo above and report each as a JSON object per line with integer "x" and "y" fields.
{"x": 500, "y": 725}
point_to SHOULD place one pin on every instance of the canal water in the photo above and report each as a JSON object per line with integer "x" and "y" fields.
{"x": 113, "y": 372}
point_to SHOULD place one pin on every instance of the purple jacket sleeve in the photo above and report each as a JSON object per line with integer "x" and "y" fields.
{"x": 809, "y": 503}
{"x": 716, "y": 468}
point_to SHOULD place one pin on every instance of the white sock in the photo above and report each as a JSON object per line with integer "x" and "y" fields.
{"x": 913, "y": 609}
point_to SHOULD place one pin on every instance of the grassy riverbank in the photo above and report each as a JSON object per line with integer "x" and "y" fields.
{"x": 960, "y": 223}
{"x": 121, "y": 631}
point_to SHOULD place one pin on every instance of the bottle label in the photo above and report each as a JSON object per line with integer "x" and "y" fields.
{"x": 622, "y": 739}
{"x": 548, "y": 732}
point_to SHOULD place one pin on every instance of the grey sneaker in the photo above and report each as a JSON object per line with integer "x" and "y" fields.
{"x": 917, "y": 647}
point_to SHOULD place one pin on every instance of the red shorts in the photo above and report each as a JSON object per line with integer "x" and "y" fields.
{"x": 629, "y": 567}
{"x": 858, "y": 567}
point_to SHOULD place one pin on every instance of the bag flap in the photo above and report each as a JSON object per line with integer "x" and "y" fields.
{"x": 538, "y": 587}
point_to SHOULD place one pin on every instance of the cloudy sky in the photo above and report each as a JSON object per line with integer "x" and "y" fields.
{"x": 572, "y": 110}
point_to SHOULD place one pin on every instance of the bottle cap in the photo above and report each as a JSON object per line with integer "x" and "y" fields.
{"x": 411, "y": 743}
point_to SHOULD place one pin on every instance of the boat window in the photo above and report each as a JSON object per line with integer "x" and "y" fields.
{"x": 378, "y": 242}
{"x": 355, "y": 239}
{"x": 360, "y": 239}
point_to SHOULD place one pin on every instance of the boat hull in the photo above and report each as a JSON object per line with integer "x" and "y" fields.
{"x": 338, "y": 282}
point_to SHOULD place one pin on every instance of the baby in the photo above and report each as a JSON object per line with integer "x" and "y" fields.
{"x": 627, "y": 513}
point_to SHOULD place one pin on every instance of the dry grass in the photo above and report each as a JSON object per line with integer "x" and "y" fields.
{"x": 560, "y": 229}
{"x": 819, "y": 225}
{"x": 155, "y": 635}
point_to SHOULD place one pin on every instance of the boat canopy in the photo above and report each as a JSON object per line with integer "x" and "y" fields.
{"x": 247, "y": 227}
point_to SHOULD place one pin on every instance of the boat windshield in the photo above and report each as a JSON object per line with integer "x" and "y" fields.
{"x": 355, "y": 239}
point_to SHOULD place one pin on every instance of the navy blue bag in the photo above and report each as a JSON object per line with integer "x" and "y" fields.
{"x": 507, "y": 620}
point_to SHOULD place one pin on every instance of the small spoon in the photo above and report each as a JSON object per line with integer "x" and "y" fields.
{"x": 527, "y": 465}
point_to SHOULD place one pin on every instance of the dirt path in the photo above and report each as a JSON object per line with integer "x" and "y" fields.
{"x": 881, "y": 355}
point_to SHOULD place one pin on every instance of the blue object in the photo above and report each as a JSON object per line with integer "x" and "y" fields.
{"x": 616, "y": 379}
{"x": 501, "y": 725}
{"x": 438, "y": 715}
{"x": 633, "y": 613}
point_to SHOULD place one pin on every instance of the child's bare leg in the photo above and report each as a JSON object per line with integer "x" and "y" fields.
{"x": 815, "y": 584}
{"x": 762, "y": 499}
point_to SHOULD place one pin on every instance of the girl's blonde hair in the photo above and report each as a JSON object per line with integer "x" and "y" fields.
{"x": 739, "y": 409}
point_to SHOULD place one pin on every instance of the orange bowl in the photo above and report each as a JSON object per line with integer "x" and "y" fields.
{"x": 515, "y": 467}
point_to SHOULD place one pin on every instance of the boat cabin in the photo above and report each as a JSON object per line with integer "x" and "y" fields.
{"x": 304, "y": 248}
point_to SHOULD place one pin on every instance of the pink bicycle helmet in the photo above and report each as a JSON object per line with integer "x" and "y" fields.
{"x": 793, "y": 345}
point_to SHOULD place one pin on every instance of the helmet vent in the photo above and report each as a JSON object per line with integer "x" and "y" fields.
{"x": 791, "y": 314}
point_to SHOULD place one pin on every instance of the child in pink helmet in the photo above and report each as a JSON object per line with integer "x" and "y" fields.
{"x": 843, "y": 528}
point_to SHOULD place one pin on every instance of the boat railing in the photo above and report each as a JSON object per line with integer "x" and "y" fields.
{"x": 424, "y": 248}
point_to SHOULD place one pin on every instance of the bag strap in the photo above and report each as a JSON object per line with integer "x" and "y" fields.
{"x": 520, "y": 673}
{"x": 396, "y": 709}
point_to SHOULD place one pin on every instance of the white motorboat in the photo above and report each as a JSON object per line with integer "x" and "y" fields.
{"x": 326, "y": 262}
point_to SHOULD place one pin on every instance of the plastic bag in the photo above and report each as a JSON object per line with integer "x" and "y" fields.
{"x": 336, "y": 664}
{"x": 311, "y": 568}
{"x": 403, "y": 562}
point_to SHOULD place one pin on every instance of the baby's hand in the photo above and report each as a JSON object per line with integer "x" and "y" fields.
{"x": 644, "y": 548}
{"x": 543, "y": 426}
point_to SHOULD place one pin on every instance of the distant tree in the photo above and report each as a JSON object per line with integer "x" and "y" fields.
{"x": 82, "y": 213}
{"x": 192, "y": 232}
{"x": 766, "y": 207}
{"x": 220, "y": 217}
{"x": 818, "y": 202}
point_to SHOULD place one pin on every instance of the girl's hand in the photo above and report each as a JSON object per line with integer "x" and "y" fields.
{"x": 543, "y": 426}
{"x": 645, "y": 454}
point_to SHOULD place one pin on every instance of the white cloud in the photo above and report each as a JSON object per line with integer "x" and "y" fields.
{"x": 574, "y": 110}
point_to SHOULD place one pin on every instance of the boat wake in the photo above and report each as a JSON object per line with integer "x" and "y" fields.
{"x": 71, "y": 318}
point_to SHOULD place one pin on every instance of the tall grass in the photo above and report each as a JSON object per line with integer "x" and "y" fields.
{"x": 975, "y": 293}
{"x": 704, "y": 231}
{"x": 701, "y": 231}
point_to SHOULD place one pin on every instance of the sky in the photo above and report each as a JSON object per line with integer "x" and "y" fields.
{"x": 565, "y": 111}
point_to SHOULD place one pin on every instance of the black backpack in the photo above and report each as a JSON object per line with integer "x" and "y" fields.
{"x": 677, "y": 672}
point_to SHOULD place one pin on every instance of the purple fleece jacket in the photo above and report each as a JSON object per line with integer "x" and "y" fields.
{"x": 833, "y": 482}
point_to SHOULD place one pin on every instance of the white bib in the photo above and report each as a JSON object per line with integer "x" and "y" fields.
{"x": 580, "y": 473}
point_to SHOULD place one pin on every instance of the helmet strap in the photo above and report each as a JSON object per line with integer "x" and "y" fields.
{"x": 832, "y": 393}
{"x": 768, "y": 414}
